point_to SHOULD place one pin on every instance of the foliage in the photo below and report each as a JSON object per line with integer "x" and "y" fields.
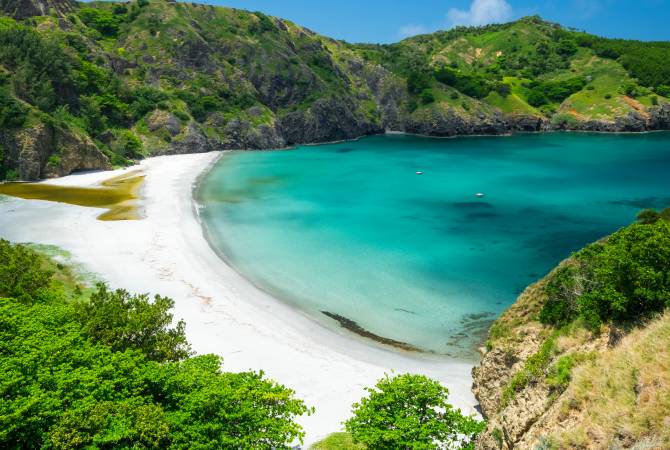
{"x": 40, "y": 70}
{"x": 410, "y": 411}
{"x": 560, "y": 374}
{"x": 21, "y": 274}
{"x": 623, "y": 279}
{"x": 123, "y": 321}
{"x": 12, "y": 114}
{"x": 474, "y": 85}
{"x": 533, "y": 369}
{"x": 417, "y": 82}
{"x": 647, "y": 216}
{"x": 144, "y": 99}
{"x": 106, "y": 22}
{"x": 646, "y": 61}
{"x": 544, "y": 92}
{"x": 112, "y": 375}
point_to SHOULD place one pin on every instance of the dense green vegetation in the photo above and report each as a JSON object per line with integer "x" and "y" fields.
{"x": 111, "y": 372}
{"x": 622, "y": 279}
{"x": 410, "y": 411}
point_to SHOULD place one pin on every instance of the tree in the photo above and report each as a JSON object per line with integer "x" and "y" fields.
{"x": 623, "y": 279}
{"x": 410, "y": 412}
{"x": 427, "y": 97}
{"x": 12, "y": 113}
{"x": 122, "y": 321}
{"x": 647, "y": 216}
{"x": 21, "y": 273}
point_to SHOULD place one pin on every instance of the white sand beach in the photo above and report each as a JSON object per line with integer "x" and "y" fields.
{"x": 166, "y": 253}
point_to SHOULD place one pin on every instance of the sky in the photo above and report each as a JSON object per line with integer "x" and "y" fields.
{"x": 385, "y": 21}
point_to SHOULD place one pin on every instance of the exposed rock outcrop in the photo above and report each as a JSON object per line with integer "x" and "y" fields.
{"x": 325, "y": 121}
{"x": 40, "y": 152}
{"x": 447, "y": 122}
{"x": 21, "y": 9}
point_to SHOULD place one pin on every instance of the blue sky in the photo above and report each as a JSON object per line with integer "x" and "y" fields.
{"x": 391, "y": 20}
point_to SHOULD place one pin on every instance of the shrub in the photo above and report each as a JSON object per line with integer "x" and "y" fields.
{"x": 122, "y": 321}
{"x": 427, "y": 97}
{"x": 533, "y": 369}
{"x": 21, "y": 274}
{"x": 103, "y": 21}
{"x": 12, "y": 114}
{"x": 410, "y": 411}
{"x": 623, "y": 279}
{"x": 537, "y": 98}
{"x": 473, "y": 85}
{"x": 417, "y": 82}
{"x": 647, "y": 216}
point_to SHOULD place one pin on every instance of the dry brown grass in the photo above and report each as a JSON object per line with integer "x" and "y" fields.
{"x": 622, "y": 399}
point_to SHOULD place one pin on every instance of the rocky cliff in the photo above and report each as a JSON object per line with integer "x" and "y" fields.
{"x": 21, "y": 9}
{"x": 540, "y": 387}
{"x": 41, "y": 151}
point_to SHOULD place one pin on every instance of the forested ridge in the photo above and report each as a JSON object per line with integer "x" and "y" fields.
{"x": 97, "y": 85}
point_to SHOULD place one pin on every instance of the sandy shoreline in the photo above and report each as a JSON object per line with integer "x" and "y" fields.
{"x": 167, "y": 253}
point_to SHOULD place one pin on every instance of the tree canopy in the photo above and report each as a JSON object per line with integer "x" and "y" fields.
{"x": 112, "y": 372}
{"x": 410, "y": 412}
{"x": 623, "y": 278}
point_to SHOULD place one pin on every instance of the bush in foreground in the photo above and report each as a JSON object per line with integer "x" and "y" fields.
{"x": 111, "y": 372}
{"x": 410, "y": 412}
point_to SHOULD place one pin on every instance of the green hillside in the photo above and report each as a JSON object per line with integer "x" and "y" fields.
{"x": 95, "y": 85}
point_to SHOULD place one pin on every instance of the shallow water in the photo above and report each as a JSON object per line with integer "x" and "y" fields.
{"x": 352, "y": 230}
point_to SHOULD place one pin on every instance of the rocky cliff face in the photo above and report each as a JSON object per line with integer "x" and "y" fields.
{"x": 540, "y": 388}
{"x": 21, "y": 9}
{"x": 40, "y": 151}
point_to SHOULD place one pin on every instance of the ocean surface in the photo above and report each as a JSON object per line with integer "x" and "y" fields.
{"x": 352, "y": 235}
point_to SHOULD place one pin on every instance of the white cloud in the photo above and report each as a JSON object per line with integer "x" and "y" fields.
{"x": 481, "y": 12}
{"x": 412, "y": 30}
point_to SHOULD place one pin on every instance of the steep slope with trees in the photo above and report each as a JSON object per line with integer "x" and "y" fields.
{"x": 95, "y": 85}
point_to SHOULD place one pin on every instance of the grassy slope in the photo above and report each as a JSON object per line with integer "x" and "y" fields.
{"x": 481, "y": 51}
{"x": 337, "y": 441}
{"x": 622, "y": 395}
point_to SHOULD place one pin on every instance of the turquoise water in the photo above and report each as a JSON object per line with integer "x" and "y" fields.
{"x": 351, "y": 229}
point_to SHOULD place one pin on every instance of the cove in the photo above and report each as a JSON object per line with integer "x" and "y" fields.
{"x": 352, "y": 235}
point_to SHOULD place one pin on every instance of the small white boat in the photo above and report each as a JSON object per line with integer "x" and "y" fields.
{"x": 419, "y": 172}
{"x": 479, "y": 195}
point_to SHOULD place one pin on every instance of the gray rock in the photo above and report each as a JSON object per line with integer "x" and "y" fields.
{"x": 28, "y": 151}
{"x": 22, "y": 9}
{"x": 163, "y": 120}
{"x": 326, "y": 120}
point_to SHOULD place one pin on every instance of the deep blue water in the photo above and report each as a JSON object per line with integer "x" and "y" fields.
{"x": 351, "y": 229}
